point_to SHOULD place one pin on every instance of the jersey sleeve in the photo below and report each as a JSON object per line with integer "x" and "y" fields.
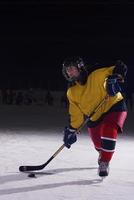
{"x": 76, "y": 117}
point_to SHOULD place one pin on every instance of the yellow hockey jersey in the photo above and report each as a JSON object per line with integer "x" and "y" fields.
{"x": 83, "y": 99}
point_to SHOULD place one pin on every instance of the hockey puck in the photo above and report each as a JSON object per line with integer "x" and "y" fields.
{"x": 31, "y": 175}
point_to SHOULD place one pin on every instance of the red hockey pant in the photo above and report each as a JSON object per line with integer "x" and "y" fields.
{"x": 104, "y": 135}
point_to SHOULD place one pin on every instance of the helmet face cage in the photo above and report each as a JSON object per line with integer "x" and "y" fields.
{"x": 77, "y": 62}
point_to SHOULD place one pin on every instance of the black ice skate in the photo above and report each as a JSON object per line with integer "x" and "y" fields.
{"x": 103, "y": 169}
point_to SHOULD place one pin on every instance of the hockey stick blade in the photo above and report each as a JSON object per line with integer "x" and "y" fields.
{"x": 31, "y": 168}
{"x": 39, "y": 167}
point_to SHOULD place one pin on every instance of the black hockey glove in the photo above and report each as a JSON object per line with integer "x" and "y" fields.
{"x": 120, "y": 68}
{"x": 112, "y": 85}
{"x": 69, "y": 137}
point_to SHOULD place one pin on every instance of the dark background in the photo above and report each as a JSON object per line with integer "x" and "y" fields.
{"x": 36, "y": 36}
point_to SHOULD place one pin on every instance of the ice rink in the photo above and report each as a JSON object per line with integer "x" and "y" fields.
{"x": 29, "y": 135}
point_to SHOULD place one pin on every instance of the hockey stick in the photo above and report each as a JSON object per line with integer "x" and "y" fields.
{"x": 39, "y": 167}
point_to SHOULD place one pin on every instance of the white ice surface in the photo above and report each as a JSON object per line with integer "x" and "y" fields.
{"x": 31, "y": 134}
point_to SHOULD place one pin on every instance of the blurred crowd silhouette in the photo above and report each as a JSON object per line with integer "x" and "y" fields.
{"x": 32, "y": 97}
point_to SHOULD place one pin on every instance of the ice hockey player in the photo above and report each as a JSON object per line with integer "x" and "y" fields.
{"x": 87, "y": 87}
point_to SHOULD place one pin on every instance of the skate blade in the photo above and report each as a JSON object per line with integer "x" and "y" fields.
{"x": 103, "y": 178}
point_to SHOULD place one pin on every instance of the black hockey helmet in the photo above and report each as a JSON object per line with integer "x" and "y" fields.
{"x": 73, "y": 61}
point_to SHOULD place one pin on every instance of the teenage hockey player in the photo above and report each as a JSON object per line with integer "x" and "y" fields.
{"x": 88, "y": 86}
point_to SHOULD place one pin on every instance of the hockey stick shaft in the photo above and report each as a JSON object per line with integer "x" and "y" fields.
{"x": 39, "y": 167}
